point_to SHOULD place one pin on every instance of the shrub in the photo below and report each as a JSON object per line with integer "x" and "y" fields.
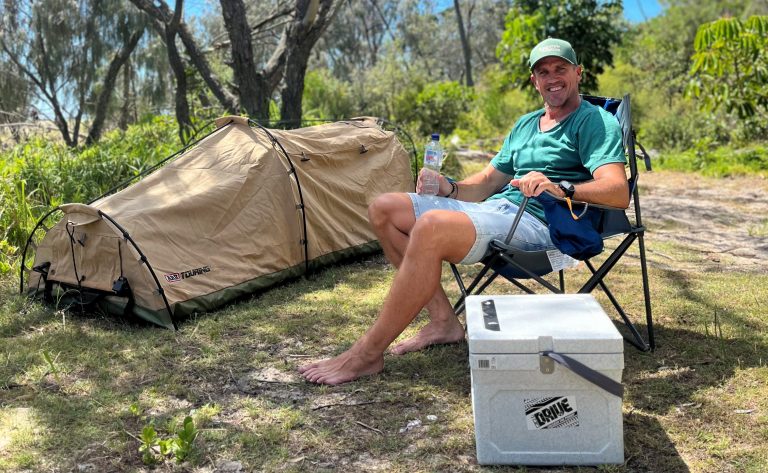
{"x": 326, "y": 97}
{"x": 40, "y": 174}
{"x": 718, "y": 161}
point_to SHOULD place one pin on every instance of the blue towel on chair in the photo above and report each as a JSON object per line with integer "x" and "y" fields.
{"x": 580, "y": 238}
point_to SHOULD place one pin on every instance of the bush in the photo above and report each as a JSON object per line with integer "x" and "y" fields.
{"x": 494, "y": 110}
{"x": 718, "y": 161}
{"x": 326, "y": 97}
{"x": 40, "y": 174}
{"x": 438, "y": 107}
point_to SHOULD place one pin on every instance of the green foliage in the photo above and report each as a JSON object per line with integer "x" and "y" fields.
{"x": 653, "y": 64}
{"x": 326, "y": 96}
{"x": 730, "y": 68}
{"x": 149, "y": 442}
{"x": 680, "y": 125}
{"x": 438, "y": 106}
{"x": 592, "y": 28}
{"x": 155, "y": 449}
{"x": 494, "y": 109}
{"x": 717, "y": 161}
{"x": 40, "y": 174}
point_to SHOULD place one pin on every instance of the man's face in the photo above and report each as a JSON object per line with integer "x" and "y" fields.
{"x": 557, "y": 80}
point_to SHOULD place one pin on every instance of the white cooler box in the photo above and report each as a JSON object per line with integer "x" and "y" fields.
{"x": 530, "y": 409}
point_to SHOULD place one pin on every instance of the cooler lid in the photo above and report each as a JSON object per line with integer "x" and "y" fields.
{"x": 564, "y": 323}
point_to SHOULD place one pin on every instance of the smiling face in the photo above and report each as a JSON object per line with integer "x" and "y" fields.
{"x": 557, "y": 81}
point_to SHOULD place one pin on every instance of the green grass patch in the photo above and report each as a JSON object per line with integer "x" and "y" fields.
{"x": 697, "y": 403}
{"x": 717, "y": 161}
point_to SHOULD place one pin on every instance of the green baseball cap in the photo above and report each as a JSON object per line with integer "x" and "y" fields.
{"x": 552, "y": 47}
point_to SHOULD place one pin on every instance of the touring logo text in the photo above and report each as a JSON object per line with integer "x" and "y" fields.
{"x": 176, "y": 277}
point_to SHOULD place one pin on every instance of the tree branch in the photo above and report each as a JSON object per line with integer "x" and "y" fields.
{"x": 109, "y": 84}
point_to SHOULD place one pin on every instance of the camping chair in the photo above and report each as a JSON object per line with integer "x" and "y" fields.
{"x": 516, "y": 265}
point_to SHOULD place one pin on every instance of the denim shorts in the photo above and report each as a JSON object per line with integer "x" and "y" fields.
{"x": 492, "y": 220}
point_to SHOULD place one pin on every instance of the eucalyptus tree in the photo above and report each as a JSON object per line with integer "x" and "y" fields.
{"x": 430, "y": 37}
{"x": 288, "y": 62}
{"x": 356, "y": 39}
{"x": 71, "y": 52}
{"x": 14, "y": 89}
{"x": 258, "y": 63}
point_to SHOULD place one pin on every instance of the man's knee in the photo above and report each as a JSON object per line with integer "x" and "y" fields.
{"x": 447, "y": 233}
{"x": 386, "y": 207}
{"x": 431, "y": 228}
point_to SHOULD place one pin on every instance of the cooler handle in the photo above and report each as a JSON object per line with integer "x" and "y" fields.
{"x": 595, "y": 377}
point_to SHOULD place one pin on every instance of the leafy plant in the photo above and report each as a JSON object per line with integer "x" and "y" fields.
{"x": 182, "y": 445}
{"x": 149, "y": 443}
{"x": 730, "y": 67}
{"x": 179, "y": 446}
{"x": 51, "y": 362}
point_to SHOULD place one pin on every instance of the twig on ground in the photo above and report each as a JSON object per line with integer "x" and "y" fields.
{"x": 133, "y": 436}
{"x": 369, "y": 427}
{"x": 344, "y": 404}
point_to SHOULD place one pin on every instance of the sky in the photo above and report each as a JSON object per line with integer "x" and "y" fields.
{"x": 635, "y": 11}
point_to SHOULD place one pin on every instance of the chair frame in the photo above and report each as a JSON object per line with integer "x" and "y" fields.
{"x": 501, "y": 252}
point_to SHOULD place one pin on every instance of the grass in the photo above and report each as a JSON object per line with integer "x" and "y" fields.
{"x": 77, "y": 389}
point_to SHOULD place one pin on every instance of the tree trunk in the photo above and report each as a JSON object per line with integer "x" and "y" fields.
{"x": 109, "y": 85}
{"x": 293, "y": 88}
{"x": 179, "y": 73}
{"x": 125, "y": 109}
{"x": 464, "y": 45}
{"x": 163, "y": 14}
{"x": 251, "y": 84}
{"x": 311, "y": 19}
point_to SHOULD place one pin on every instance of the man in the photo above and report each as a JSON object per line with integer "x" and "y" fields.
{"x": 568, "y": 141}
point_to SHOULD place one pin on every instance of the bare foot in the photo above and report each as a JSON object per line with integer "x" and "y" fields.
{"x": 348, "y": 366}
{"x": 431, "y": 334}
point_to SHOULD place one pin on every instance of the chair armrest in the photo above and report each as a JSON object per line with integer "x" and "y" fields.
{"x": 591, "y": 204}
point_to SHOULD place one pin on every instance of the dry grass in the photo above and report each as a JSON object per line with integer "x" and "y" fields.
{"x": 75, "y": 390}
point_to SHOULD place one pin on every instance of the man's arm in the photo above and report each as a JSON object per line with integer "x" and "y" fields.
{"x": 476, "y": 187}
{"x": 609, "y": 186}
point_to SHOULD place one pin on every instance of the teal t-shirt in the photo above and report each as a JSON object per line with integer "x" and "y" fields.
{"x": 587, "y": 139}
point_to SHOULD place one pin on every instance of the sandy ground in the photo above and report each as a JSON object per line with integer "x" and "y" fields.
{"x": 726, "y": 218}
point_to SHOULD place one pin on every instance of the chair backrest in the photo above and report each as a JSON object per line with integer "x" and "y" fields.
{"x": 614, "y": 221}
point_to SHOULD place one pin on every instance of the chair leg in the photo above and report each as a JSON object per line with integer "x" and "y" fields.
{"x": 646, "y": 293}
{"x": 597, "y": 279}
{"x": 637, "y": 339}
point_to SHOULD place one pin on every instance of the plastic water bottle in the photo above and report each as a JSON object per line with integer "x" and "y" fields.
{"x": 433, "y": 159}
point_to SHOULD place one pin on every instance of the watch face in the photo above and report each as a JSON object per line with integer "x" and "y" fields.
{"x": 568, "y": 188}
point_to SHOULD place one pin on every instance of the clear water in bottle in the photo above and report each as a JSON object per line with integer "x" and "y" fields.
{"x": 433, "y": 159}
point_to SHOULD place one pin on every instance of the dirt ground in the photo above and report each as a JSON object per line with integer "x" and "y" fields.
{"x": 727, "y": 218}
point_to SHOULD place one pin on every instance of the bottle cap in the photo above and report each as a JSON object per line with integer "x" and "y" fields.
{"x": 435, "y": 136}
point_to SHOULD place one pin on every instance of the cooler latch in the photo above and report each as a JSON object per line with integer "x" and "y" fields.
{"x": 546, "y": 364}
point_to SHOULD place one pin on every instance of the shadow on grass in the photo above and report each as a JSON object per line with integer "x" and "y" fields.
{"x": 202, "y": 362}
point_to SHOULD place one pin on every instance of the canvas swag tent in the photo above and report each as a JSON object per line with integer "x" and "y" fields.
{"x": 243, "y": 209}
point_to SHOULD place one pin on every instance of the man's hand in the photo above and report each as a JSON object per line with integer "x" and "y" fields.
{"x": 444, "y": 187}
{"x": 534, "y": 183}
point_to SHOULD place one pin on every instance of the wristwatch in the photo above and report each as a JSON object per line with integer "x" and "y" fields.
{"x": 567, "y": 188}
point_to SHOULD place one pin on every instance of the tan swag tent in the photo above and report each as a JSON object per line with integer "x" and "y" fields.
{"x": 241, "y": 210}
